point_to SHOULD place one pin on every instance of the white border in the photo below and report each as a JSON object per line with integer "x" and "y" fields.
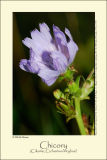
{"x": 89, "y": 147}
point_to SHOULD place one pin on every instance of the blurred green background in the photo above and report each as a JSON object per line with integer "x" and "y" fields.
{"x": 34, "y": 110}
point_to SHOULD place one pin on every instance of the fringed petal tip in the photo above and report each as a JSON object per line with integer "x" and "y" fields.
{"x": 68, "y": 33}
{"x": 48, "y": 76}
{"x": 49, "y": 82}
{"x": 43, "y": 26}
{"x": 22, "y": 64}
{"x": 29, "y": 66}
{"x": 27, "y": 42}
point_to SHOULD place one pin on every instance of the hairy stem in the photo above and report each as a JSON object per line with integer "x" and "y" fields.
{"x": 79, "y": 117}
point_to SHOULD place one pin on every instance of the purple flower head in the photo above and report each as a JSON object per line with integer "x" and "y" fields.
{"x": 49, "y": 57}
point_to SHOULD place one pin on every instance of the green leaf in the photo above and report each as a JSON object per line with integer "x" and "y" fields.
{"x": 78, "y": 80}
{"x": 69, "y": 118}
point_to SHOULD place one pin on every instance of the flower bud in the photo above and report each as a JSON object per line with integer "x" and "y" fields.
{"x": 73, "y": 87}
{"x": 87, "y": 88}
{"x": 57, "y": 94}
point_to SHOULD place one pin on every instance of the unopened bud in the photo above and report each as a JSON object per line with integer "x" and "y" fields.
{"x": 57, "y": 94}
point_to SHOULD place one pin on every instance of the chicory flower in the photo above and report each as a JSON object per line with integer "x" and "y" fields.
{"x": 49, "y": 57}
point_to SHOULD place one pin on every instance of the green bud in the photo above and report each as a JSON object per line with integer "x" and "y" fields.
{"x": 57, "y": 94}
{"x": 69, "y": 74}
{"x": 66, "y": 90}
{"x": 85, "y": 94}
{"x": 63, "y": 106}
{"x": 73, "y": 87}
{"x": 87, "y": 88}
{"x": 62, "y": 96}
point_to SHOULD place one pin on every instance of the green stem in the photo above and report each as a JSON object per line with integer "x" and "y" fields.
{"x": 79, "y": 117}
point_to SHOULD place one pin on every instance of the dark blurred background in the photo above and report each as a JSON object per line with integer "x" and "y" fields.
{"x": 34, "y": 110}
